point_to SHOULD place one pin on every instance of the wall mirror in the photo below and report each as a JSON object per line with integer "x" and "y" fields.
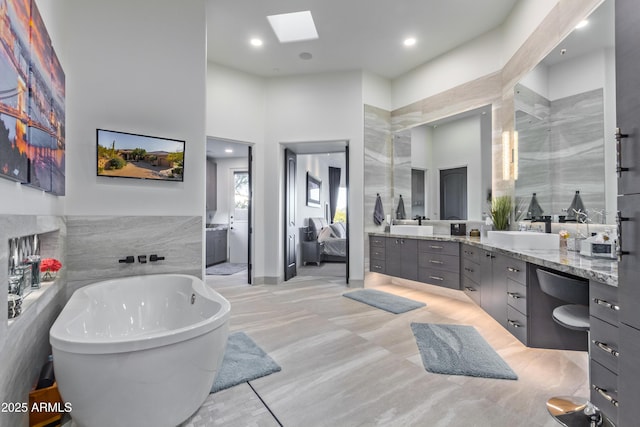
{"x": 565, "y": 121}
{"x": 442, "y": 169}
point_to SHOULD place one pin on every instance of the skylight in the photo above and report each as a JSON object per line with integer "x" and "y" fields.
{"x": 293, "y": 27}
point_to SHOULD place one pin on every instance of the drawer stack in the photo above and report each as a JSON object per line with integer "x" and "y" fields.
{"x": 377, "y": 258}
{"x": 439, "y": 263}
{"x": 515, "y": 272}
{"x": 604, "y": 347}
{"x": 471, "y": 274}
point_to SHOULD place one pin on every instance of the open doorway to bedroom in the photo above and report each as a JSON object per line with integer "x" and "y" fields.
{"x": 316, "y": 210}
{"x": 228, "y": 218}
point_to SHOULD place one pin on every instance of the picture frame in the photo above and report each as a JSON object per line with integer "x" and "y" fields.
{"x": 314, "y": 185}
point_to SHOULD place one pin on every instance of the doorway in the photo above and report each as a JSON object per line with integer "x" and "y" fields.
{"x": 316, "y": 226}
{"x": 229, "y": 195}
{"x": 453, "y": 193}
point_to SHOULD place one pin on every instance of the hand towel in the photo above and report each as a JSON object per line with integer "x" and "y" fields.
{"x": 378, "y": 211}
{"x": 400, "y": 213}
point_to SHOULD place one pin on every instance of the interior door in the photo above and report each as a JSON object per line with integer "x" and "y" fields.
{"x": 290, "y": 215}
{"x": 239, "y": 218}
{"x": 453, "y": 193}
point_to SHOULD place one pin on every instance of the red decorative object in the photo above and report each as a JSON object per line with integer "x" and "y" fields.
{"x": 50, "y": 264}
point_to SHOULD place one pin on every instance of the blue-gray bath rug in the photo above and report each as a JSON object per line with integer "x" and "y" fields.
{"x": 243, "y": 361}
{"x": 385, "y": 301}
{"x": 458, "y": 350}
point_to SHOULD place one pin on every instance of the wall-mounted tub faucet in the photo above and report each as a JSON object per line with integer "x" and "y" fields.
{"x": 154, "y": 258}
{"x": 128, "y": 260}
{"x": 142, "y": 259}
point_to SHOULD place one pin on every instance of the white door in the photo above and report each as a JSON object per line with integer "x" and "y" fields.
{"x": 238, "y": 217}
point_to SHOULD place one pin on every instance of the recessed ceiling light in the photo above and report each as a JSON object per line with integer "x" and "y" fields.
{"x": 293, "y": 27}
{"x": 228, "y": 150}
{"x": 582, "y": 24}
{"x": 409, "y": 41}
{"x": 256, "y": 42}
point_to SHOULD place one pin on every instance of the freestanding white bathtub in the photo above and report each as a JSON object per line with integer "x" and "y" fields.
{"x": 139, "y": 351}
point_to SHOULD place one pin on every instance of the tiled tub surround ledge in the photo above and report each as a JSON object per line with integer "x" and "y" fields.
{"x": 599, "y": 269}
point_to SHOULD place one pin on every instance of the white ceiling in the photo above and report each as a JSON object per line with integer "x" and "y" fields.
{"x": 353, "y": 34}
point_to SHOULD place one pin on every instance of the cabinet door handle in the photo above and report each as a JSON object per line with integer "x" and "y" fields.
{"x": 433, "y": 261}
{"x": 436, "y": 247}
{"x": 514, "y": 295}
{"x": 619, "y": 220}
{"x": 606, "y": 348}
{"x": 469, "y": 288}
{"x": 606, "y": 304}
{"x": 514, "y": 323}
{"x": 436, "y": 278}
{"x": 470, "y": 270}
{"x": 603, "y": 393}
{"x": 377, "y": 267}
{"x": 619, "y": 137}
{"x": 513, "y": 270}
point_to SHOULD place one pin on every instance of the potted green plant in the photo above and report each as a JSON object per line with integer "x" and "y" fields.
{"x": 500, "y": 212}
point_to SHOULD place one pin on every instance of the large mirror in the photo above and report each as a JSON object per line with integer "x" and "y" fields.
{"x": 442, "y": 169}
{"x": 565, "y": 121}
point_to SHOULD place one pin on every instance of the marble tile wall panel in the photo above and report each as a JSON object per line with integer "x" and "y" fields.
{"x": 96, "y": 244}
{"x": 377, "y": 163}
{"x": 401, "y": 170}
{"x": 561, "y": 146}
{"x": 577, "y": 142}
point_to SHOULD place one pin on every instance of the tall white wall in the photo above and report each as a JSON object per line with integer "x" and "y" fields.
{"x": 325, "y": 107}
{"x": 137, "y": 67}
{"x": 376, "y": 91}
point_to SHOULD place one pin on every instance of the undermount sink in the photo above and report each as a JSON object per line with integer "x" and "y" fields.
{"x": 524, "y": 240}
{"x": 412, "y": 230}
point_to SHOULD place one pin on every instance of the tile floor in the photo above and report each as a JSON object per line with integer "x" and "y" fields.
{"x": 345, "y": 363}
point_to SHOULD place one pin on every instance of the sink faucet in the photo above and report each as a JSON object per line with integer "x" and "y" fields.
{"x": 547, "y": 222}
{"x": 419, "y": 218}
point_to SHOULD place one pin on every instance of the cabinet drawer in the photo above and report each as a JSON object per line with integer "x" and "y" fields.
{"x": 604, "y": 390}
{"x": 471, "y": 253}
{"x": 603, "y": 302}
{"x": 439, "y": 262}
{"x": 377, "y": 252}
{"x": 517, "y": 324}
{"x": 434, "y": 246}
{"x": 517, "y": 295}
{"x": 604, "y": 343}
{"x": 447, "y": 279}
{"x": 377, "y": 265}
{"x": 471, "y": 270}
{"x": 514, "y": 268}
{"x": 471, "y": 288}
{"x": 377, "y": 241}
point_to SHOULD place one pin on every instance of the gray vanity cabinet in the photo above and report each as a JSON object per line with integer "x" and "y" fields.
{"x": 439, "y": 263}
{"x": 377, "y": 254}
{"x": 401, "y": 257}
{"x": 605, "y": 347}
{"x": 216, "y": 246}
{"x": 471, "y": 274}
{"x": 627, "y": 53}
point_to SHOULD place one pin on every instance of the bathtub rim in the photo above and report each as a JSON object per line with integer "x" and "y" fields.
{"x": 63, "y": 341}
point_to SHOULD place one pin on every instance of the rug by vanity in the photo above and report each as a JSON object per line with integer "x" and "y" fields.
{"x": 458, "y": 350}
{"x": 226, "y": 268}
{"x": 385, "y": 301}
{"x": 243, "y": 361}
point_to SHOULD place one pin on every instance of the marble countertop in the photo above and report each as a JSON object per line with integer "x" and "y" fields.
{"x": 599, "y": 269}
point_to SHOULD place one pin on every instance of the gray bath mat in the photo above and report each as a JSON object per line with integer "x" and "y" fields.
{"x": 243, "y": 361}
{"x": 458, "y": 350}
{"x": 385, "y": 301}
{"x": 226, "y": 268}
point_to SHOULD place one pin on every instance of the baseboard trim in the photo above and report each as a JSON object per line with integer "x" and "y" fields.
{"x": 267, "y": 280}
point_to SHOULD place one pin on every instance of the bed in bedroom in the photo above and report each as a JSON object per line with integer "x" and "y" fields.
{"x": 321, "y": 241}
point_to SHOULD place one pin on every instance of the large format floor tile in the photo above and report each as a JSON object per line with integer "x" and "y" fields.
{"x": 345, "y": 363}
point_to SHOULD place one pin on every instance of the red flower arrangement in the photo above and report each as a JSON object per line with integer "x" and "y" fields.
{"x": 50, "y": 264}
{"x": 49, "y": 267}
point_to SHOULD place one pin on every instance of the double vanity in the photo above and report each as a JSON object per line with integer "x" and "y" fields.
{"x": 499, "y": 275}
